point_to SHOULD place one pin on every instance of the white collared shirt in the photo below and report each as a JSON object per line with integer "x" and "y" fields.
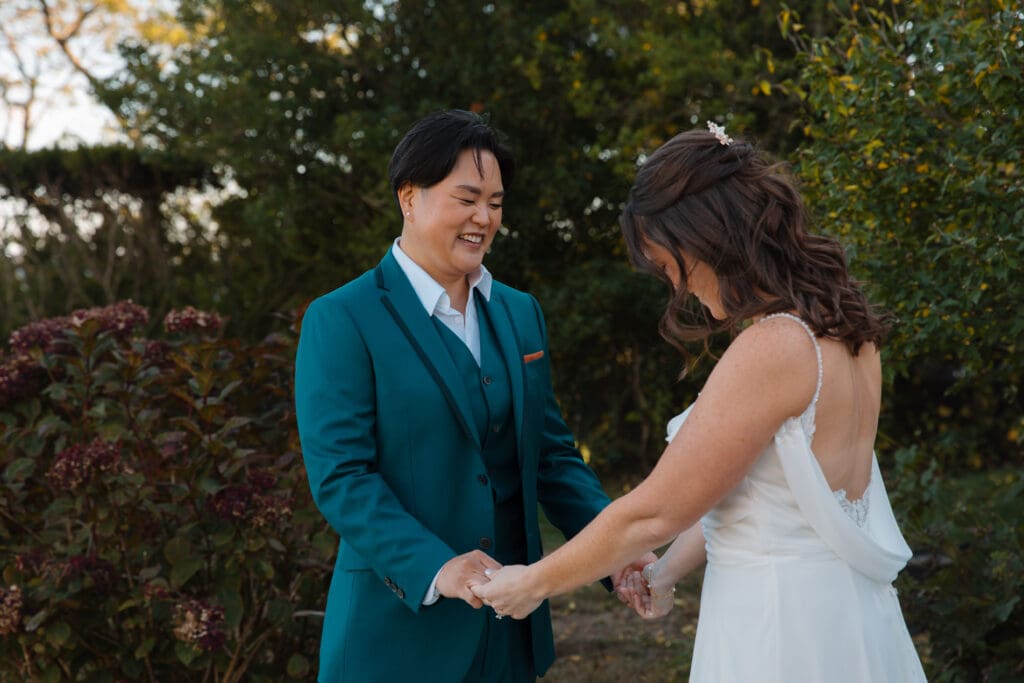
{"x": 436, "y": 302}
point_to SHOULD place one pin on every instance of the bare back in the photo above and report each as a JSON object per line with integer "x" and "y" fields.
{"x": 847, "y": 415}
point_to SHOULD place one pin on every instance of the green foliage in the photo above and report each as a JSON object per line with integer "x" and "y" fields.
{"x": 155, "y": 516}
{"x": 963, "y": 587}
{"x": 304, "y": 101}
{"x": 914, "y": 119}
{"x": 90, "y": 226}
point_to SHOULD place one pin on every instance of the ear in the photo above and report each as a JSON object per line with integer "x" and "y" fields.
{"x": 406, "y": 198}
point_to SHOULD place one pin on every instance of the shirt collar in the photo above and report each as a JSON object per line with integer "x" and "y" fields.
{"x": 428, "y": 290}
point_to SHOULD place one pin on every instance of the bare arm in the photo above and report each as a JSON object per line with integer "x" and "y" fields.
{"x": 762, "y": 379}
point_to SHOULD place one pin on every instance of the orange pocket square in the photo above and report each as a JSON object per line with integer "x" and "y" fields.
{"x": 530, "y": 357}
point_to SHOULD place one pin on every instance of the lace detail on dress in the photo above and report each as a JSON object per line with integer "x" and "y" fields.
{"x": 857, "y": 510}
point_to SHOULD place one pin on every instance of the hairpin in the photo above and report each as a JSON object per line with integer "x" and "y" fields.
{"x": 719, "y": 133}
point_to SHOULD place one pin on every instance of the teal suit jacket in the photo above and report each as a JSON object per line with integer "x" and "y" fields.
{"x": 394, "y": 464}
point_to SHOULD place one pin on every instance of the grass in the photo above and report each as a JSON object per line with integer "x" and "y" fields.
{"x": 598, "y": 639}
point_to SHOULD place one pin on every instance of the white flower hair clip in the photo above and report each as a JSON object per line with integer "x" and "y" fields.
{"x": 719, "y": 133}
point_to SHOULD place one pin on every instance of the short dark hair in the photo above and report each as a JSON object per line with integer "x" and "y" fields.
{"x": 734, "y": 209}
{"x": 429, "y": 150}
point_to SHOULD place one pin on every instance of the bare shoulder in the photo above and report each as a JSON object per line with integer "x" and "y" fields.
{"x": 771, "y": 360}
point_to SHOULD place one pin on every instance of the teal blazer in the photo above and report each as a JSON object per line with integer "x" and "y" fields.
{"x": 394, "y": 464}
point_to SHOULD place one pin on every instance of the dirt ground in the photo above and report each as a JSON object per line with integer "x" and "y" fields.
{"x": 598, "y": 639}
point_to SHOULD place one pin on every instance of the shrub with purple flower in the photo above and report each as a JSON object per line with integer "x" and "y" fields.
{"x": 78, "y": 464}
{"x": 10, "y": 610}
{"x": 191, "y": 319}
{"x": 121, "y": 318}
{"x": 99, "y": 571}
{"x": 146, "y": 472}
{"x": 199, "y": 624}
{"x": 46, "y": 334}
{"x": 253, "y": 501}
{"x": 21, "y": 377}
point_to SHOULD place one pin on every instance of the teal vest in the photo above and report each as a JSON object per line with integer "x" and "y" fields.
{"x": 490, "y": 394}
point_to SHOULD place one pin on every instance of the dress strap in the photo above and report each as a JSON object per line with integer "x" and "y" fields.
{"x": 817, "y": 348}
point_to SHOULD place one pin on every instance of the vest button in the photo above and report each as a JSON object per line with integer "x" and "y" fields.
{"x": 497, "y": 428}
{"x": 485, "y": 543}
{"x": 482, "y": 478}
{"x": 488, "y": 379}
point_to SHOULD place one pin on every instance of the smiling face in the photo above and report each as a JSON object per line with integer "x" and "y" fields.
{"x": 449, "y": 226}
{"x": 701, "y": 280}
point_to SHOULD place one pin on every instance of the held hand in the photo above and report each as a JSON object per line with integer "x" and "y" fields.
{"x": 633, "y": 591}
{"x": 634, "y": 566}
{"x": 661, "y": 596}
{"x": 510, "y": 592}
{"x": 460, "y": 574}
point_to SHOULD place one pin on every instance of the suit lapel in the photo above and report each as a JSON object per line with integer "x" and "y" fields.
{"x": 399, "y": 298}
{"x": 501, "y": 319}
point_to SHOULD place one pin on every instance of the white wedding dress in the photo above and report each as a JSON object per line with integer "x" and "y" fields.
{"x": 798, "y": 583}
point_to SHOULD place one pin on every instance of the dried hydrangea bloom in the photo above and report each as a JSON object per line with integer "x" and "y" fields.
{"x": 121, "y": 318}
{"x": 191, "y": 319}
{"x": 199, "y": 624}
{"x": 78, "y": 464}
{"x": 10, "y": 610}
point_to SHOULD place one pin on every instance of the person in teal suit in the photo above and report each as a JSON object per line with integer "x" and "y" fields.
{"x": 430, "y": 431}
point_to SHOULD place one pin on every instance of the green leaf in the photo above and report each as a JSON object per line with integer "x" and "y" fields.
{"x": 185, "y": 652}
{"x": 58, "y": 633}
{"x": 231, "y": 600}
{"x": 298, "y": 666}
{"x": 326, "y": 543}
{"x": 148, "y": 573}
{"x": 184, "y": 570}
{"x": 178, "y": 550}
{"x": 19, "y": 470}
{"x": 145, "y": 648}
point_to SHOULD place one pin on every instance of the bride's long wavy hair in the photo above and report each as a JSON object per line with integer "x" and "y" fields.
{"x": 741, "y": 214}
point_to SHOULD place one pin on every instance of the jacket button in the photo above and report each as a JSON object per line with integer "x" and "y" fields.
{"x": 482, "y": 478}
{"x": 485, "y": 543}
{"x": 488, "y": 379}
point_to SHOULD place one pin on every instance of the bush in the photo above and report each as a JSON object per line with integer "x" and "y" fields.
{"x": 154, "y": 511}
{"x": 915, "y": 128}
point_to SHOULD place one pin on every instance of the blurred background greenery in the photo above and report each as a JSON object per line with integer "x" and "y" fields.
{"x": 249, "y": 176}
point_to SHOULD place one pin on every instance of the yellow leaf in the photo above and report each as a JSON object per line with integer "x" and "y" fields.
{"x": 872, "y": 146}
{"x": 765, "y": 87}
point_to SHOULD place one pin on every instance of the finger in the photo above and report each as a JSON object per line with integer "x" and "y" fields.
{"x": 489, "y": 565}
{"x": 471, "y": 599}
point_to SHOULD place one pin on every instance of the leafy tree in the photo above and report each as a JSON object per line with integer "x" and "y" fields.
{"x": 301, "y": 103}
{"x": 913, "y": 114}
{"x": 95, "y": 225}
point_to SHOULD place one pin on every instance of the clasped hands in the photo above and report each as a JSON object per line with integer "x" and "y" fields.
{"x": 514, "y": 591}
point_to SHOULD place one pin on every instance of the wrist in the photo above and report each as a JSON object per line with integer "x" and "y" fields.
{"x": 659, "y": 583}
{"x": 540, "y": 588}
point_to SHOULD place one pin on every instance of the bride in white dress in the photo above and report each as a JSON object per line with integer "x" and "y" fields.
{"x": 770, "y": 476}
